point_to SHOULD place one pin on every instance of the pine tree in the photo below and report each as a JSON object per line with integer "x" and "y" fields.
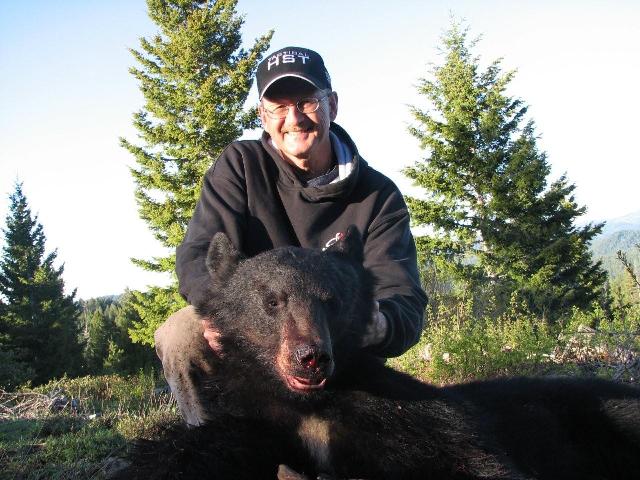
{"x": 39, "y": 323}
{"x": 97, "y": 342}
{"x": 107, "y": 345}
{"x": 496, "y": 225}
{"x": 126, "y": 356}
{"x": 630, "y": 282}
{"x": 195, "y": 79}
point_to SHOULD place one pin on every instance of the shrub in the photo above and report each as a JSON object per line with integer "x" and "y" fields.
{"x": 104, "y": 393}
{"x": 458, "y": 346}
{"x": 600, "y": 344}
{"x": 13, "y": 372}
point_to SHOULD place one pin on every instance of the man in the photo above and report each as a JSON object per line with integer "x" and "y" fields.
{"x": 302, "y": 184}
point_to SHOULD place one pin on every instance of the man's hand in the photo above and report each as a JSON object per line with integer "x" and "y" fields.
{"x": 377, "y": 330}
{"x": 212, "y": 336}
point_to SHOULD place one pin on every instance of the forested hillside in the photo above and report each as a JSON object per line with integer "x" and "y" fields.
{"x": 605, "y": 248}
{"x": 619, "y": 234}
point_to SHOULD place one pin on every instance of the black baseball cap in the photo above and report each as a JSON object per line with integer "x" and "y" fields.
{"x": 292, "y": 62}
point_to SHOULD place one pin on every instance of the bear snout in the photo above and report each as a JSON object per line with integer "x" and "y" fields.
{"x": 306, "y": 368}
{"x": 312, "y": 358}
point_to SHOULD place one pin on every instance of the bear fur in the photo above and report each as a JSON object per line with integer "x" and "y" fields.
{"x": 293, "y": 388}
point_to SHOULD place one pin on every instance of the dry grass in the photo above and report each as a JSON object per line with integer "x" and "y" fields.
{"x": 78, "y": 428}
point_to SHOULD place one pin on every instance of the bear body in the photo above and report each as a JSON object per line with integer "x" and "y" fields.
{"x": 292, "y": 387}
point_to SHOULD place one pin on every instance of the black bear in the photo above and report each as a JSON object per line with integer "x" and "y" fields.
{"x": 292, "y": 388}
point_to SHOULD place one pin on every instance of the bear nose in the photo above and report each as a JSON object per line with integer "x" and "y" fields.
{"x": 312, "y": 357}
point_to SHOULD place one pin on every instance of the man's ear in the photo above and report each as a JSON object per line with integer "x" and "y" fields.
{"x": 333, "y": 105}
{"x": 262, "y": 115}
{"x": 222, "y": 258}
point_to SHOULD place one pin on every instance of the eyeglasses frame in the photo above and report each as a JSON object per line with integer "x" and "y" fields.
{"x": 273, "y": 115}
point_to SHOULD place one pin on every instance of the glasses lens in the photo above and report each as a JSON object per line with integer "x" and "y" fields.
{"x": 308, "y": 105}
{"x": 278, "y": 112}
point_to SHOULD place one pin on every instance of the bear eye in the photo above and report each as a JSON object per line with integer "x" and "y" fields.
{"x": 334, "y": 303}
{"x": 273, "y": 302}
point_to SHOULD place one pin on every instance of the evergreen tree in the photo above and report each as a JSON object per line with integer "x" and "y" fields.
{"x": 97, "y": 341}
{"x": 495, "y": 223}
{"x": 39, "y": 322}
{"x": 97, "y": 327}
{"x": 108, "y": 347}
{"x": 629, "y": 283}
{"x": 195, "y": 79}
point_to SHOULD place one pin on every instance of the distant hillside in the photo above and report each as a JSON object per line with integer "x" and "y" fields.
{"x": 606, "y": 246}
{"x": 621, "y": 233}
{"x": 628, "y": 222}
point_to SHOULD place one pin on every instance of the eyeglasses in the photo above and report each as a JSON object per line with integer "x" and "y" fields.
{"x": 304, "y": 105}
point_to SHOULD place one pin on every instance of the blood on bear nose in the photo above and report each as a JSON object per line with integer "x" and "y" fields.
{"x": 312, "y": 357}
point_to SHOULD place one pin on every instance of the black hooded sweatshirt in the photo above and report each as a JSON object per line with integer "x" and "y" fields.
{"x": 258, "y": 200}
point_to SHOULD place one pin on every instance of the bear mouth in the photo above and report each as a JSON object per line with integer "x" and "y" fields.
{"x": 302, "y": 384}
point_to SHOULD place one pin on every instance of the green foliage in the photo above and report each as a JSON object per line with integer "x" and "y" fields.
{"x": 97, "y": 341}
{"x": 624, "y": 283}
{"x": 108, "y": 347}
{"x": 605, "y": 249}
{"x": 115, "y": 360}
{"x": 38, "y": 322}
{"x": 494, "y": 225}
{"x": 106, "y": 393}
{"x": 65, "y": 446}
{"x": 605, "y": 344}
{"x": 59, "y": 447}
{"x": 458, "y": 345}
{"x": 195, "y": 79}
{"x": 152, "y": 308}
{"x": 13, "y": 371}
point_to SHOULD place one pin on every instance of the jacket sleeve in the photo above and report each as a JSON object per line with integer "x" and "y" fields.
{"x": 390, "y": 254}
{"x": 222, "y": 207}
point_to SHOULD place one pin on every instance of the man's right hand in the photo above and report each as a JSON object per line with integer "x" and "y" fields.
{"x": 212, "y": 336}
{"x": 376, "y": 331}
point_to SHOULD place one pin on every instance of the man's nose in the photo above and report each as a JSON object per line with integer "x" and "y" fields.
{"x": 294, "y": 116}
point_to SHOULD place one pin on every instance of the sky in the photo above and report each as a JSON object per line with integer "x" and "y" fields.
{"x": 66, "y": 97}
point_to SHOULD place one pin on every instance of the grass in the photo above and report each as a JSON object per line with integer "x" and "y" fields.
{"x": 457, "y": 346}
{"x": 87, "y": 443}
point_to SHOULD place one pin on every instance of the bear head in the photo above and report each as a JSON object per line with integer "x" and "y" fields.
{"x": 293, "y": 314}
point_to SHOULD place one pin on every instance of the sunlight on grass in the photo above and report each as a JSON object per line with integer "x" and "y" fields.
{"x": 113, "y": 411}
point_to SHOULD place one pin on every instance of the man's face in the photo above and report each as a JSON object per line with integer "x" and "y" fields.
{"x": 299, "y": 136}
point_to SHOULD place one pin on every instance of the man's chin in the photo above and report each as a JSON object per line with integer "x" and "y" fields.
{"x": 298, "y": 145}
{"x": 297, "y": 151}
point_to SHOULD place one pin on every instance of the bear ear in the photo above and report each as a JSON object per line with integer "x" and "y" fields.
{"x": 222, "y": 257}
{"x": 350, "y": 243}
